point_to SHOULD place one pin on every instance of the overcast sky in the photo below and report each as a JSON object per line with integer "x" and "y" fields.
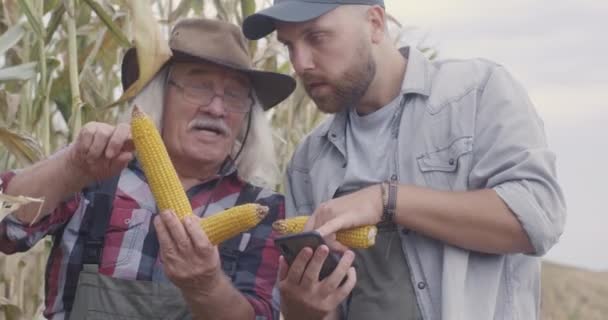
{"x": 559, "y": 50}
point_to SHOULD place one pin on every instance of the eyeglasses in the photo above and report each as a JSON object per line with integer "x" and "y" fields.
{"x": 203, "y": 96}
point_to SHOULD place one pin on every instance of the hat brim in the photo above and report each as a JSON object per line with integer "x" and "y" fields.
{"x": 259, "y": 25}
{"x": 270, "y": 87}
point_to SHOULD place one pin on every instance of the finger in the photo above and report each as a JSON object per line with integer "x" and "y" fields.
{"x": 330, "y": 227}
{"x": 283, "y": 268}
{"x": 117, "y": 140}
{"x": 176, "y": 230}
{"x": 164, "y": 239}
{"x": 122, "y": 160}
{"x": 334, "y": 245}
{"x": 85, "y": 138}
{"x": 197, "y": 236}
{"x": 311, "y": 274}
{"x": 343, "y": 291}
{"x": 310, "y": 223}
{"x": 297, "y": 267}
{"x": 335, "y": 278}
{"x": 100, "y": 141}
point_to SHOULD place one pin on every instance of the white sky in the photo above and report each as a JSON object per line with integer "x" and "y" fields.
{"x": 558, "y": 49}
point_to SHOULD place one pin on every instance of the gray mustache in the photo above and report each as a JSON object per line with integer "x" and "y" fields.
{"x": 209, "y": 124}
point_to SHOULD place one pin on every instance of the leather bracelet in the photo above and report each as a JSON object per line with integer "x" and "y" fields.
{"x": 389, "y": 200}
{"x": 384, "y": 191}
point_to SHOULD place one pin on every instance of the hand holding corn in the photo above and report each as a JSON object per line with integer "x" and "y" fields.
{"x": 359, "y": 238}
{"x": 169, "y": 192}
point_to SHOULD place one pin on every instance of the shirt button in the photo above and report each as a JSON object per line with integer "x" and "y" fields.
{"x": 451, "y": 162}
{"x": 394, "y": 177}
{"x": 421, "y": 285}
{"x": 333, "y": 135}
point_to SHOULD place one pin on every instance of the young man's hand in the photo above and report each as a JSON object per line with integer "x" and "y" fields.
{"x": 360, "y": 208}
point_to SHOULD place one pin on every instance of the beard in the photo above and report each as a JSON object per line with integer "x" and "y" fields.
{"x": 346, "y": 90}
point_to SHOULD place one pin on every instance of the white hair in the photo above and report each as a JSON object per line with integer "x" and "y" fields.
{"x": 256, "y": 163}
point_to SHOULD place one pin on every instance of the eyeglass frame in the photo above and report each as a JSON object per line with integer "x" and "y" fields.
{"x": 182, "y": 88}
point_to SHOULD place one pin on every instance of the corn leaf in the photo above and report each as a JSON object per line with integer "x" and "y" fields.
{"x": 107, "y": 20}
{"x": 152, "y": 49}
{"x": 54, "y": 22}
{"x": 24, "y": 71}
{"x": 21, "y": 145}
{"x": 33, "y": 20}
{"x": 9, "y": 204}
{"x": 9, "y": 38}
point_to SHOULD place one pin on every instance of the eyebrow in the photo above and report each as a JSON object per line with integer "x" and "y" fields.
{"x": 306, "y": 30}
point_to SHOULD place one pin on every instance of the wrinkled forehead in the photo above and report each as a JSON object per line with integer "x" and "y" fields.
{"x": 207, "y": 70}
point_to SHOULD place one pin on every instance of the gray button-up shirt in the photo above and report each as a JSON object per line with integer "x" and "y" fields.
{"x": 465, "y": 125}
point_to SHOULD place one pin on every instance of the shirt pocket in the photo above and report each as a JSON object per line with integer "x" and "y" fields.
{"x": 125, "y": 234}
{"x": 442, "y": 167}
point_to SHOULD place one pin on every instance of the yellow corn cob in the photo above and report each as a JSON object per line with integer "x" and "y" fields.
{"x": 158, "y": 168}
{"x": 229, "y": 223}
{"x": 359, "y": 238}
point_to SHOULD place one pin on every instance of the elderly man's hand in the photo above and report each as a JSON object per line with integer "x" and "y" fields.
{"x": 360, "y": 208}
{"x": 100, "y": 150}
{"x": 303, "y": 296}
{"x": 190, "y": 261}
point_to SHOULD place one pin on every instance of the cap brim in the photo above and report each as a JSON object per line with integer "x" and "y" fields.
{"x": 259, "y": 25}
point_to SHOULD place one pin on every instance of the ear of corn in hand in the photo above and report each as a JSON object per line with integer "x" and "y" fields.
{"x": 231, "y": 222}
{"x": 158, "y": 168}
{"x": 358, "y": 238}
{"x": 169, "y": 192}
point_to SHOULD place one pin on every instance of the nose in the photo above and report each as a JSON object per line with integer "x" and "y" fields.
{"x": 301, "y": 59}
{"x": 215, "y": 108}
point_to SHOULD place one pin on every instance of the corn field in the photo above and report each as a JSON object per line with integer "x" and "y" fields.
{"x": 60, "y": 68}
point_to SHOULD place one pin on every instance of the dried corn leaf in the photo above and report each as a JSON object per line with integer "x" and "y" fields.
{"x": 152, "y": 48}
{"x": 24, "y": 147}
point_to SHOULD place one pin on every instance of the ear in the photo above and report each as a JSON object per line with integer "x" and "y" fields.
{"x": 377, "y": 19}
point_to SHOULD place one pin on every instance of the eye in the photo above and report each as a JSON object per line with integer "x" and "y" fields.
{"x": 317, "y": 37}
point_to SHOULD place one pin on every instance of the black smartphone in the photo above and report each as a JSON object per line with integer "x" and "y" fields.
{"x": 290, "y": 245}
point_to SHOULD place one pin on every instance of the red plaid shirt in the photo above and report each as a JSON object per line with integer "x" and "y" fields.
{"x": 131, "y": 248}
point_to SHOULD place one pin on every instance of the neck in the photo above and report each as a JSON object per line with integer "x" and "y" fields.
{"x": 386, "y": 85}
{"x": 193, "y": 173}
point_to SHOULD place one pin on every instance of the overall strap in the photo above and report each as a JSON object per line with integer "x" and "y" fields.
{"x": 98, "y": 212}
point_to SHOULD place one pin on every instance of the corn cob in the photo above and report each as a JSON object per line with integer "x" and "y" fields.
{"x": 229, "y": 223}
{"x": 359, "y": 238}
{"x": 169, "y": 192}
{"x": 158, "y": 168}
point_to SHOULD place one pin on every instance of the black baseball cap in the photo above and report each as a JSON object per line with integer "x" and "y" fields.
{"x": 260, "y": 24}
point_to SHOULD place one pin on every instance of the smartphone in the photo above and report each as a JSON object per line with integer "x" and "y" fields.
{"x": 290, "y": 245}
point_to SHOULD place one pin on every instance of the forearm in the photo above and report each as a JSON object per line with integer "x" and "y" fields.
{"x": 52, "y": 179}
{"x": 473, "y": 220}
{"x": 222, "y": 302}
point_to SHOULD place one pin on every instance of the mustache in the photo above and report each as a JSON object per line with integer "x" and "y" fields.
{"x": 218, "y": 126}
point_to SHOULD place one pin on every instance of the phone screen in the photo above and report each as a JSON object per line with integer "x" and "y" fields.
{"x": 291, "y": 245}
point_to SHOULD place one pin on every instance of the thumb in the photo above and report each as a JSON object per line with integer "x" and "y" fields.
{"x": 283, "y": 268}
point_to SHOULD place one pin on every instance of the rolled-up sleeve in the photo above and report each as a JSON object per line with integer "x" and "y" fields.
{"x": 512, "y": 157}
{"x": 15, "y": 236}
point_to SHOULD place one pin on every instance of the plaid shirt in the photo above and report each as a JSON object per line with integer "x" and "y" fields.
{"x": 131, "y": 246}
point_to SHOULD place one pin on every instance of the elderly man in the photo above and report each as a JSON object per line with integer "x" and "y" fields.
{"x": 207, "y": 100}
{"x": 449, "y": 157}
